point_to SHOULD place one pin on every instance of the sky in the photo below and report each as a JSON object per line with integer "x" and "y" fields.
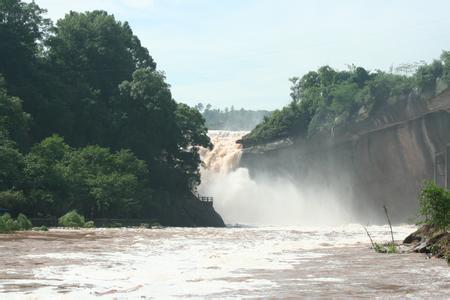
{"x": 243, "y": 52}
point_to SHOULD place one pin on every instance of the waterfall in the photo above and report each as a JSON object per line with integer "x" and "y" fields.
{"x": 271, "y": 200}
{"x": 225, "y": 155}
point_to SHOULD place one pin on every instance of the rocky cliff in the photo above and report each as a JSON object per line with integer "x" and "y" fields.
{"x": 379, "y": 159}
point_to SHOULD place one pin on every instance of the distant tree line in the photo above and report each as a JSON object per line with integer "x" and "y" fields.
{"x": 87, "y": 121}
{"x": 327, "y": 97}
{"x": 231, "y": 118}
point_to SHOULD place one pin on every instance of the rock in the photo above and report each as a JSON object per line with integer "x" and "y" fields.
{"x": 188, "y": 211}
{"x": 422, "y": 247}
{"x": 418, "y": 235}
{"x": 430, "y": 240}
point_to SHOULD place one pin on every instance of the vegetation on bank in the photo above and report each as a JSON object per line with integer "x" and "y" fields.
{"x": 326, "y": 98}
{"x": 231, "y": 118}
{"x": 87, "y": 122}
{"x": 75, "y": 220}
{"x": 9, "y": 224}
{"x": 389, "y": 247}
{"x": 434, "y": 203}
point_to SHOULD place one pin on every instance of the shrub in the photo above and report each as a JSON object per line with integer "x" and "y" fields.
{"x": 72, "y": 219}
{"x": 434, "y": 203}
{"x": 42, "y": 228}
{"x": 8, "y": 224}
{"x": 89, "y": 224}
{"x": 23, "y": 222}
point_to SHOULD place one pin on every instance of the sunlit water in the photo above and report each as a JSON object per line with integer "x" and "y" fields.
{"x": 314, "y": 257}
{"x": 216, "y": 263}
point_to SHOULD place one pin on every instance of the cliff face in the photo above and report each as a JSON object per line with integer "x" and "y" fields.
{"x": 381, "y": 159}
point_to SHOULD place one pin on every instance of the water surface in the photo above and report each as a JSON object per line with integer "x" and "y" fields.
{"x": 208, "y": 262}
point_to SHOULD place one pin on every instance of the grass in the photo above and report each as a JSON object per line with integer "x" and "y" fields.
{"x": 388, "y": 248}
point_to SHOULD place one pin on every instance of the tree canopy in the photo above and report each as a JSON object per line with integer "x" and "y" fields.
{"x": 87, "y": 122}
{"x": 327, "y": 97}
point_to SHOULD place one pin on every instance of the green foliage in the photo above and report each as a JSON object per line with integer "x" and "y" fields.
{"x": 72, "y": 219}
{"x": 12, "y": 117}
{"x": 12, "y": 198}
{"x": 94, "y": 180}
{"x": 12, "y": 164}
{"x": 434, "y": 203}
{"x": 41, "y": 228}
{"x": 8, "y": 224}
{"x": 87, "y": 82}
{"x": 23, "y": 222}
{"x": 389, "y": 248}
{"x": 22, "y": 30}
{"x": 326, "y": 98}
{"x": 89, "y": 224}
{"x": 426, "y": 76}
{"x": 378, "y": 248}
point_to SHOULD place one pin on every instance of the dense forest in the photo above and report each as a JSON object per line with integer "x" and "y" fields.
{"x": 87, "y": 122}
{"x": 326, "y": 98}
{"x": 231, "y": 118}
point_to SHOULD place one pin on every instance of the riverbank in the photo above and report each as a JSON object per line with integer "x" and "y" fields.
{"x": 431, "y": 241}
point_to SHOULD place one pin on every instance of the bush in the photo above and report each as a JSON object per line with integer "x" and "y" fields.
{"x": 23, "y": 222}
{"x": 8, "y": 224}
{"x": 72, "y": 219}
{"x": 42, "y": 228}
{"x": 89, "y": 224}
{"x": 434, "y": 203}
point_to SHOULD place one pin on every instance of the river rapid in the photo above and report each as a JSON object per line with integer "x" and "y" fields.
{"x": 284, "y": 247}
{"x": 214, "y": 263}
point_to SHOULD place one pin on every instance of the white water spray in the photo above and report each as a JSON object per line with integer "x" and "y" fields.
{"x": 269, "y": 201}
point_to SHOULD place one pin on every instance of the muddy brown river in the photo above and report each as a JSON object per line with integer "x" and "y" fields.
{"x": 333, "y": 262}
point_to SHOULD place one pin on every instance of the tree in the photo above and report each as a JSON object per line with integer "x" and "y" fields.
{"x": 344, "y": 97}
{"x": 94, "y": 47}
{"x": 47, "y": 190}
{"x": 434, "y": 203}
{"x": 150, "y": 123}
{"x": 105, "y": 184}
{"x": 11, "y": 164}
{"x": 22, "y": 30}
{"x": 445, "y": 58}
{"x": 144, "y": 117}
{"x": 94, "y": 180}
{"x": 360, "y": 76}
{"x": 89, "y": 83}
{"x": 426, "y": 76}
{"x": 199, "y": 107}
{"x": 92, "y": 54}
{"x": 12, "y": 118}
{"x": 193, "y": 133}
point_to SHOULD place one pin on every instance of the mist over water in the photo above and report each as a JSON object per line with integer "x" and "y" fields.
{"x": 270, "y": 200}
